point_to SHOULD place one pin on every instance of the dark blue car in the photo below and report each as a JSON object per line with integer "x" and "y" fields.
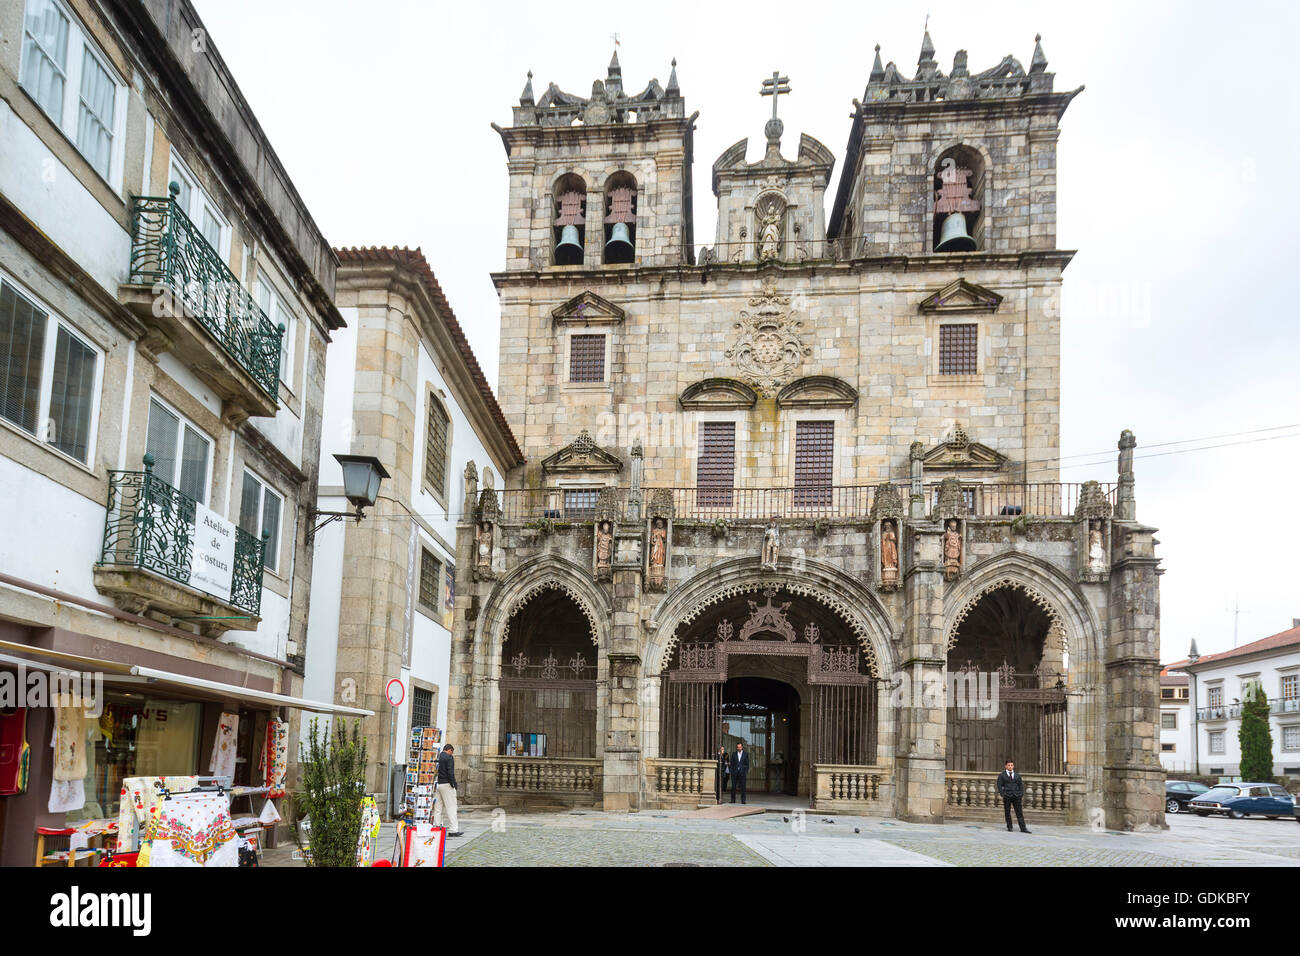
{"x": 1239, "y": 800}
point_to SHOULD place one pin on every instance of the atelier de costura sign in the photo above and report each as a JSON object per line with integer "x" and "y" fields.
{"x": 212, "y": 565}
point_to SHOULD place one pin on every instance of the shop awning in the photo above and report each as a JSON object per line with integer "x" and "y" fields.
{"x": 116, "y": 673}
{"x": 165, "y": 679}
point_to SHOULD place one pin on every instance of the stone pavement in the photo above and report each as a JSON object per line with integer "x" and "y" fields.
{"x": 681, "y": 838}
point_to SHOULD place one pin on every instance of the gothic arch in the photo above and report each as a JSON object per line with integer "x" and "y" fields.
{"x": 1072, "y": 617}
{"x": 860, "y": 610}
{"x": 518, "y": 587}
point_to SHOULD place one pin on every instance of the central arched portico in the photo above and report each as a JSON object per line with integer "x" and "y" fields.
{"x": 792, "y": 661}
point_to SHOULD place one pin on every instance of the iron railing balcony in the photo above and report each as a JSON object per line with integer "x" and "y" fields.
{"x": 148, "y": 550}
{"x": 192, "y": 304}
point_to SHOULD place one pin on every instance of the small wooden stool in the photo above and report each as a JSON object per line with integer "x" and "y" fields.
{"x": 62, "y": 853}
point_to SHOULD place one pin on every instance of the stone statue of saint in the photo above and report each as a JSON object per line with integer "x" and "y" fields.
{"x": 771, "y": 544}
{"x": 1096, "y": 549}
{"x": 604, "y": 545}
{"x": 769, "y": 235}
{"x": 888, "y": 553}
{"x": 659, "y": 544}
{"x": 951, "y": 549}
{"x": 485, "y": 544}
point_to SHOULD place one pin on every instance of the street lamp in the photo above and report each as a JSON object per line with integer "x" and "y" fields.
{"x": 361, "y": 477}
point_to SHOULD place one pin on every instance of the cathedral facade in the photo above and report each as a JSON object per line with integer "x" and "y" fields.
{"x": 799, "y": 488}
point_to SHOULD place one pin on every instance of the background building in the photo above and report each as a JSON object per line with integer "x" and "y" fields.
{"x": 403, "y": 386}
{"x": 1175, "y": 723}
{"x": 1218, "y": 686}
{"x": 772, "y": 486}
{"x": 165, "y": 305}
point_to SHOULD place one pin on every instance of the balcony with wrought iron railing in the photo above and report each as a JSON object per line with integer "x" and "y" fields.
{"x": 192, "y": 305}
{"x": 803, "y": 502}
{"x": 147, "y": 560}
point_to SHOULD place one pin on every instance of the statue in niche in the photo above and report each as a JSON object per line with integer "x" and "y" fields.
{"x": 888, "y": 553}
{"x": 1096, "y": 547}
{"x": 604, "y": 544}
{"x": 658, "y": 550}
{"x": 770, "y": 211}
{"x": 771, "y": 544}
{"x": 485, "y": 545}
{"x": 951, "y": 549}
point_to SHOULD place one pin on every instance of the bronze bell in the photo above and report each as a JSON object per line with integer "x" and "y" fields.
{"x": 620, "y": 243}
{"x": 570, "y": 243}
{"x": 953, "y": 237}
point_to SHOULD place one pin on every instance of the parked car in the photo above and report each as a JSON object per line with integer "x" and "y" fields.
{"x": 1295, "y": 806}
{"x": 1178, "y": 792}
{"x": 1238, "y": 800}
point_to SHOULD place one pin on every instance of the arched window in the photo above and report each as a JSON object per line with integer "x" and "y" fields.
{"x": 620, "y": 219}
{"x": 959, "y": 201}
{"x": 570, "y": 230}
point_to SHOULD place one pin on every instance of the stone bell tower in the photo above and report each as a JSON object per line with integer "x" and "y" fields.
{"x": 615, "y": 165}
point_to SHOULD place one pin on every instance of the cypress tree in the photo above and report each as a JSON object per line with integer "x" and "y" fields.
{"x": 1255, "y": 736}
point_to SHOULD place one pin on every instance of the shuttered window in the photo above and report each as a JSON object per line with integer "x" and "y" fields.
{"x": 814, "y": 463}
{"x": 430, "y": 579}
{"x": 435, "y": 447}
{"x": 587, "y": 358}
{"x": 716, "y": 470}
{"x": 958, "y": 350}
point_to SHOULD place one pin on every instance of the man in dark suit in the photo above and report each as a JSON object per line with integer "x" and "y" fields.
{"x": 739, "y": 770}
{"x": 1012, "y": 788}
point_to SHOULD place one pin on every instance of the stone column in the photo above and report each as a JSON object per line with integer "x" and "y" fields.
{"x": 621, "y": 784}
{"x": 916, "y": 494}
{"x": 465, "y": 721}
{"x": 921, "y": 716}
{"x": 1134, "y": 796}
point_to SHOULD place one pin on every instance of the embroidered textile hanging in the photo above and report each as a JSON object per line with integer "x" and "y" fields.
{"x": 276, "y": 756}
{"x": 224, "y": 747}
{"x": 15, "y": 752}
{"x": 194, "y": 829}
{"x": 140, "y": 801}
{"x": 69, "y": 739}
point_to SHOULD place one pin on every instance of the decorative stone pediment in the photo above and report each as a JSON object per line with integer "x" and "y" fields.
{"x": 886, "y": 503}
{"x": 661, "y": 503}
{"x": 1093, "y": 502}
{"x": 817, "y": 391}
{"x": 582, "y": 456}
{"x": 951, "y": 503}
{"x": 960, "y": 453}
{"x": 717, "y": 393}
{"x": 587, "y": 308}
{"x": 961, "y": 296}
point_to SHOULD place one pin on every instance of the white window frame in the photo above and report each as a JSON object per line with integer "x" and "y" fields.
{"x": 1171, "y": 715}
{"x": 54, "y": 322}
{"x": 278, "y": 311}
{"x": 1223, "y": 742}
{"x": 265, "y": 488}
{"x": 1290, "y": 728}
{"x": 606, "y": 383}
{"x": 200, "y": 201}
{"x": 79, "y": 44}
{"x": 174, "y": 479}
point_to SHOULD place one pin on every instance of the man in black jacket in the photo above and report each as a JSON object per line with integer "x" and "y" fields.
{"x": 1012, "y": 788}
{"x": 739, "y": 770}
{"x": 446, "y": 791}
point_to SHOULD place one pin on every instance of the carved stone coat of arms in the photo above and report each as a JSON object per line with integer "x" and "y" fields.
{"x": 767, "y": 349}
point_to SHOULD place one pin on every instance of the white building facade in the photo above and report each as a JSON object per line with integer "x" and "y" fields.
{"x": 1218, "y": 684}
{"x": 402, "y": 385}
{"x": 1175, "y": 723}
{"x": 165, "y": 305}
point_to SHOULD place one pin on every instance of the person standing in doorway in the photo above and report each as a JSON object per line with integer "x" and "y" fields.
{"x": 739, "y": 770}
{"x": 1012, "y": 788}
{"x": 722, "y": 773}
{"x": 446, "y": 791}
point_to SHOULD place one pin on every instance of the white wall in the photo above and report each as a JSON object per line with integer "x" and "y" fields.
{"x": 1180, "y": 761}
{"x": 49, "y": 534}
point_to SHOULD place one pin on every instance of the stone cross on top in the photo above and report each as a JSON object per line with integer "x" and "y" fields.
{"x": 774, "y": 87}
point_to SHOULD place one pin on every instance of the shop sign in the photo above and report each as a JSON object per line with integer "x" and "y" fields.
{"x": 212, "y": 564}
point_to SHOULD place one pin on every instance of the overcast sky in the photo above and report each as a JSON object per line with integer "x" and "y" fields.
{"x": 1172, "y": 184}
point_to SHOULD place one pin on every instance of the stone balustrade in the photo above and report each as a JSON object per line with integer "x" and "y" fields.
{"x": 682, "y": 782}
{"x": 546, "y": 774}
{"x": 859, "y": 789}
{"x": 976, "y": 794}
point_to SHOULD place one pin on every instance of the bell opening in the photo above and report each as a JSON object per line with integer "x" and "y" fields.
{"x": 620, "y": 247}
{"x": 958, "y": 223}
{"x": 569, "y": 245}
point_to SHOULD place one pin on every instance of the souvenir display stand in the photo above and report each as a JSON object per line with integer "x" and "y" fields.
{"x": 422, "y": 772}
